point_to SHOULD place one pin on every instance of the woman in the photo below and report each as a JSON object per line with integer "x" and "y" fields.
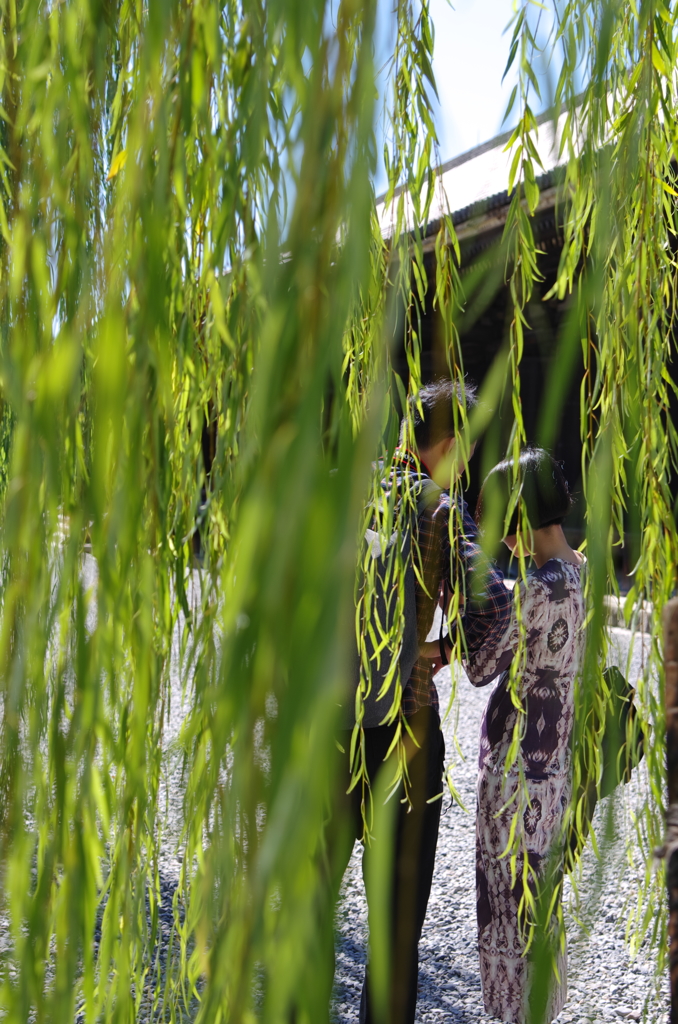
{"x": 535, "y": 788}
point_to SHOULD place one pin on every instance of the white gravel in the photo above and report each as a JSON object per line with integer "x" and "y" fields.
{"x": 605, "y": 982}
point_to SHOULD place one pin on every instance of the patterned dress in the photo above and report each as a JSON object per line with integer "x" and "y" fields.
{"x": 552, "y": 613}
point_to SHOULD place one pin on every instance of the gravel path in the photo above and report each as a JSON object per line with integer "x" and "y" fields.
{"x": 605, "y": 984}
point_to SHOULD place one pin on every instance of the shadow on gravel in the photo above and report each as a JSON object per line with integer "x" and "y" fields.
{"x": 446, "y": 992}
{"x": 450, "y": 993}
{"x": 350, "y": 956}
{"x": 162, "y": 946}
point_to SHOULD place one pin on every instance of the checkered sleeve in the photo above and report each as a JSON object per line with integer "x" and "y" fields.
{"x": 487, "y": 608}
{"x": 432, "y": 533}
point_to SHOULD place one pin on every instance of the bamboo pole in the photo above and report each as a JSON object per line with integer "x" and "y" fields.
{"x": 671, "y": 693}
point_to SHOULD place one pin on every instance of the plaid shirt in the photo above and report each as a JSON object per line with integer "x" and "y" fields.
{"x": 487, "y": 608}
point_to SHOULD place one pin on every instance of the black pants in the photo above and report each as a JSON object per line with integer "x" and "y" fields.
{"x": 416, "y": 838}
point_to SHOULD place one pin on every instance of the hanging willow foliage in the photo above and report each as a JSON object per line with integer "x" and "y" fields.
{"x": 619, "y": 254}
{"x": 198, "y": 314}
{"x": 616, "y": 135}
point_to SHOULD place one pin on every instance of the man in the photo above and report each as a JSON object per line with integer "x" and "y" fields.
{"x": 486, "y": 617}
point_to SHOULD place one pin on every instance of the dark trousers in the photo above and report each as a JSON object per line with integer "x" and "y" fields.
{"x": 415, "y": 841}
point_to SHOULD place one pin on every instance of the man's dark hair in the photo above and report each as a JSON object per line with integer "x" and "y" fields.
{"x": 544, "y": 489}
{"x": 438, "y": 401}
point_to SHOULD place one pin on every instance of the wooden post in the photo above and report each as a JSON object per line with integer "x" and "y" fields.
{"x": 671, "y": 698}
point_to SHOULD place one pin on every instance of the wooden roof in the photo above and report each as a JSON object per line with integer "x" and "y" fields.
{"x": 473, "y": 186}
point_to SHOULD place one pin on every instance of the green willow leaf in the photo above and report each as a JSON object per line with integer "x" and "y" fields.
{"x": 201, "y": 312}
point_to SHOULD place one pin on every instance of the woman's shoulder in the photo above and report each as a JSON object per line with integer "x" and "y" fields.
{"x": 558, "y": 591}
{"x": 557, "y": 578}
{"x": 552, "y": 584}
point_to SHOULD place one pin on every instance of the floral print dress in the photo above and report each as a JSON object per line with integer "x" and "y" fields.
{"x": 552, "y": 613}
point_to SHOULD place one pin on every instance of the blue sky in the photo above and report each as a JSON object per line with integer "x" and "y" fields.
{"x": 469, "y": 59}
{"x": 471, "y": 50}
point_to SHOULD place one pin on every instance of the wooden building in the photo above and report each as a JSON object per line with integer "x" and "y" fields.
{"x": 474, "y": 185}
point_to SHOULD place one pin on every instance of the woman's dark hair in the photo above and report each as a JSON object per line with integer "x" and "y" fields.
{"x": 544, "y": 490}
{"x": 437, "y": 406}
